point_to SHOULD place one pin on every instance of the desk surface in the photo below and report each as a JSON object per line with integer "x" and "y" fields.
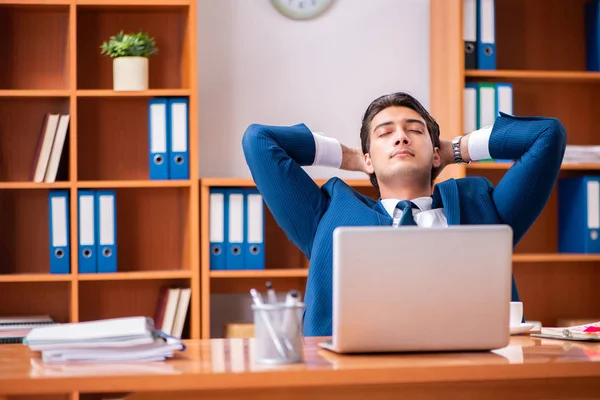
{"x": 227, "y": 364}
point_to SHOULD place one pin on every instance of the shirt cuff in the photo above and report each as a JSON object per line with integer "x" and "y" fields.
{"x": 479, "y": 144}
{"x": 328, "y": 151}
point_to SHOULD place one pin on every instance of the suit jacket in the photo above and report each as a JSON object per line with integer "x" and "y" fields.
{"x": 308, "y": 214}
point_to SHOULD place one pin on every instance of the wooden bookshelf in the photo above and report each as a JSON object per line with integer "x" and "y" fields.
{"x": 547, "y": 71}
{"x": 53, "y": 64}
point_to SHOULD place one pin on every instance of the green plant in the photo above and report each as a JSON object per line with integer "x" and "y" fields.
{"x": 129, "y": 45}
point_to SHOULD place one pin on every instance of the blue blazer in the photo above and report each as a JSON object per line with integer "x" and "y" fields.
{"x": 308, "y": 214}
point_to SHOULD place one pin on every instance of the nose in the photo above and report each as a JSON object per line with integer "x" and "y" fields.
{"x": 401, "y": 138}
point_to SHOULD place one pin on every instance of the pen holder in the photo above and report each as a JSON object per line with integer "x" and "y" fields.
{"x": 278, "y": 333}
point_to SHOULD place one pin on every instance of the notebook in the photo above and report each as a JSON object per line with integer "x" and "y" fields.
{"x": 587, "y": 332}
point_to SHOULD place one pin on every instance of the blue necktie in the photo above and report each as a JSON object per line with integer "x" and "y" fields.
{"x": 407, "y": 215}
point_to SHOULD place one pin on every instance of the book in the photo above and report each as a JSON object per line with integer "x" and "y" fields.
{"x": 586, "y": 332}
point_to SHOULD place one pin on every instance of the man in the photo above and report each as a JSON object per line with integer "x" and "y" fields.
{"x": 402, "y": 152}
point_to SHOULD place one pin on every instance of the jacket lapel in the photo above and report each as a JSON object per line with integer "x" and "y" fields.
{"x": 445, "y": 195}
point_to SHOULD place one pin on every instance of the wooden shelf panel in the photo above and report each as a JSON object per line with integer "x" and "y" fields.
{"x": 244, "y": 284}
{"x": 140, "y": 275}
{"x": 25, "y": 233}
{"x": 134, "y": 184}
{"x": 507, "y": 165}
{"x": 573, "y": 103}
{"x": 523, "y": 40}
{"x": 142, "y": 93}
{"x": 36, "y": 277}
{"x": 36, "y": 298}
{"x": 247, "y": 182}
{"x": 137, "y": 3}
{"x": 115, "y": 148}
{"x": 539, "y": 76}
{"x": 21, "y": 122}
{"x": 168, "y": 25}
{"x": 114, "y": 299}
{"x": 552, "y": 291}
{"x": 153, "y": 233}
{"x": 267, "y": 273}
{"x": 34, "y": 58}
{"x": 35, "y": 93}
{"x": 555, "y": 258}
{"x": 34, "y": 185}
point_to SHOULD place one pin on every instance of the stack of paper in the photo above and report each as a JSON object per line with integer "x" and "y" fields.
{"x": 132, "y": 339}
{"x": 581, "y": 154}
{"x": 587, "y": 332}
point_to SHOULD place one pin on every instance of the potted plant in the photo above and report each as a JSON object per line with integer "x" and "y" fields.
{"x": 130, "y": 53}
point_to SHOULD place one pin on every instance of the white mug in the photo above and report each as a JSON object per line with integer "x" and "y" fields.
{"x": 516, "y": 313}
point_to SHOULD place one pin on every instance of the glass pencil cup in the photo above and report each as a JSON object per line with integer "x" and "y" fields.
{"x": 278, "y": 333}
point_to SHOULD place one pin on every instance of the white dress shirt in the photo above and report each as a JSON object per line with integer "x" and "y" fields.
{"x": 329, "y": 153}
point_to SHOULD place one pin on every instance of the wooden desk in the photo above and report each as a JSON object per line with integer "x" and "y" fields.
{"x": 223, "y": 369}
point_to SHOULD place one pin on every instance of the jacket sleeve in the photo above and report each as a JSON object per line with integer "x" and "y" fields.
{"x": 275, "y": 156}
{"x": 537, "y": 145}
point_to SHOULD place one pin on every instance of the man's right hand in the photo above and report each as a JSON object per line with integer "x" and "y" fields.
{"x": 353, "y": 159}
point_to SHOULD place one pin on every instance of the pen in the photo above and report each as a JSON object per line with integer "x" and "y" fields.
{"x": 271, "y": 293}
{"x": 257, "y": 299}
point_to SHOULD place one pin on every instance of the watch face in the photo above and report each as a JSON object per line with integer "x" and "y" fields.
{"x": 301, "y": 9}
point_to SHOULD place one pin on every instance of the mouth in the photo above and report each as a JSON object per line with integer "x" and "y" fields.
{"x": 402, "y": 153}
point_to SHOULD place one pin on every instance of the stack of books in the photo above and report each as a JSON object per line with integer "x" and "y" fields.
{"x": 130, "y": 339}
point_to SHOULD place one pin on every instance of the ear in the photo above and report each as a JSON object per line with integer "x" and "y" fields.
{"x": 368, "y": 164}
{"x": 437, "y": 159}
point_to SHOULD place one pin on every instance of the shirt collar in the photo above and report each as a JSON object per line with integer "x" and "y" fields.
{"x": 424, "y": 204}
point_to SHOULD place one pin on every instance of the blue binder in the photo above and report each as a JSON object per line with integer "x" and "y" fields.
{"x": 158, "y": 146}
{"x": 106, "y": 230}
{"x": 234, "y": 256}
{"x": 592, "y": 35}
{"x": 579, "y": 214}
{"x": 486, "y": 34}
{"x": 254, "y": 255}
{"x": 58, "y": 214}
{"x": 179, "y": 165}
{"x": 217, "y": 227}
{"x": 87, "y": 232}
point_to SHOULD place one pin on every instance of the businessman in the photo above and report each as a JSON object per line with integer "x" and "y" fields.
{"x": 402, "y": 153}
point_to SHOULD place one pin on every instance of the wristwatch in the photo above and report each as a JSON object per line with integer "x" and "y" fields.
{"x": 456, "y": 150}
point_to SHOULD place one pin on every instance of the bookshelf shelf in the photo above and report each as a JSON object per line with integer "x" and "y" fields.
{"x": 540, "y": 76}
{"x": 34, "y": 185}
{"x": 39, "y": 58}
{"x": 143, "y": 275}
{"x": 114, "y": 148}
{"x": 167, "y": 24}
{"x": 21, "y": 122}
{"x": 267, "y": 273}
{"x": 506, "y": 165}
{"x": 139, "y": 4}
{"x": 35, "y": 93}
{"x": 36, "y": 278}
{"x": 41, "y": 298}
{"x": 142, "y": 93}
{"x": 134, "y": 184}
{"x": 555, "y": 258}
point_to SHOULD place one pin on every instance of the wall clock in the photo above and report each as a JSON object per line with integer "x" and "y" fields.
{"x": 301, "y": 9}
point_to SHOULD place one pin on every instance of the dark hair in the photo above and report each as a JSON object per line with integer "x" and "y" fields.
{"x": 399, "y": 99}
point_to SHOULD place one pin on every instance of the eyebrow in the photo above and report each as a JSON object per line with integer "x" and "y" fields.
{"x": 408, "y": 121}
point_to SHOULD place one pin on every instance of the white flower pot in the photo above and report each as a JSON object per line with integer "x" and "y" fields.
{"x": 130, "y": 73}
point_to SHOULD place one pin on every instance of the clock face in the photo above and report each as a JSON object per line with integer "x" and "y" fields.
{"x": 301, "y": 9}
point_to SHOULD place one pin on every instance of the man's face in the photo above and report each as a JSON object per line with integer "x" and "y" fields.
{"x": 400, "y": 146}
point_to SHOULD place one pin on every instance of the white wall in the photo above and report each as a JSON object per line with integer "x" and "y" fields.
{"x": 257, "y": 66}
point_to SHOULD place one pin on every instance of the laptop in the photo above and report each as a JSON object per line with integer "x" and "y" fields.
{"x": 421, "y": 289}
